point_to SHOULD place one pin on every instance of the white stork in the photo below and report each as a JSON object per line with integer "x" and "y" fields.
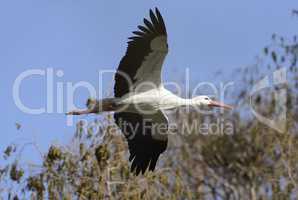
{"x": 140, "y": 98}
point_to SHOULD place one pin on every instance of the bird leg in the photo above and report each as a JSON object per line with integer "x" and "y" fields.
{"x": 79, "y": 112}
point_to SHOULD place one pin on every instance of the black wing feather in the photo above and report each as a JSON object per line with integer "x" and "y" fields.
{"x": 139, "y": 33}
{"x": 149, "y": 25}
{"x": 144, "y": 29}
{"x": 154, "y": 20}
{"x": 161, "y": 23}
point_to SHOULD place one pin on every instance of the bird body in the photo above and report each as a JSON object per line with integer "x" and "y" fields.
{"x": 154, "y": 99}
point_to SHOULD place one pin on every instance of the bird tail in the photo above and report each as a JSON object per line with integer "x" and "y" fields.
{"x": 103, "y": 105}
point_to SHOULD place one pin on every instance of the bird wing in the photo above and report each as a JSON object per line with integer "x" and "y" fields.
{"x": 146, "y": 137}
{"x": 140, "y": 68}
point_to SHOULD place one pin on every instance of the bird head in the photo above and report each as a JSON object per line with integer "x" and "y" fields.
{"x": 207, "y": 102}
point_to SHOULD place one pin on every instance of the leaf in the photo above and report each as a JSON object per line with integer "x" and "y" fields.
{"x": 18, "y": 125}
{"x": 274, "y": 56}
{"x": 266, "y": 50}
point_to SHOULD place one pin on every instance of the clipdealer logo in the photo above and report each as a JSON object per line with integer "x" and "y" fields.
{"x": 278, "y": 121}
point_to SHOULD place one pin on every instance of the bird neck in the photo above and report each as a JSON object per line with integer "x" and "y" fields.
{"x": 185, "y": 102}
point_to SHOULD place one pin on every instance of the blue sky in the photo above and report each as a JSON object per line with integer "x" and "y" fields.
{"x": 84, "y": 37}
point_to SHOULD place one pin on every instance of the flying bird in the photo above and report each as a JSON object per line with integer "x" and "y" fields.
{"x": 140, "y": 98}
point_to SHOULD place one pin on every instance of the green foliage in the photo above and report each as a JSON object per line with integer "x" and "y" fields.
{"x": 15, "y": 173}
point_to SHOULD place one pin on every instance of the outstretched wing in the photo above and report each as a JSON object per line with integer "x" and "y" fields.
{"x": 146, "y": 137}
{"x": 145, "y": 54}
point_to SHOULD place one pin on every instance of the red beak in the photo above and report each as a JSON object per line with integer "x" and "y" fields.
{"x": 220, "y": 105}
